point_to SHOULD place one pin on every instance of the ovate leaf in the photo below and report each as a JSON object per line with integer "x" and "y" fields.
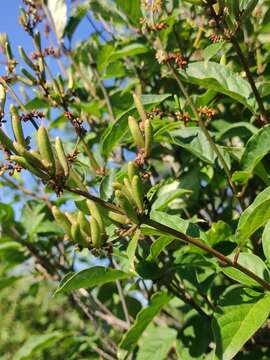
{"x": 255, "y": 216}
{"x": 257, "y": 147}
{"x": 157, "y": 344}
{"x": 96, "y": 275}
{"x": 77, "y": 15}
{"x": 143, "y": 319}
{"x": 240, "y": 314}
{"x": 221, "y": 78}
{"x": 252, "y": 263}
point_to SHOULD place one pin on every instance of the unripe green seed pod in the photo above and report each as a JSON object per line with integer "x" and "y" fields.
{"x": 45, "y": 148}
{"x": 71, "y": 217}
{"x": 77, "y": 235}
{"x": 62, "y": 220}
{"x": 25, "y": 164}
{"x": 37, "y": 40}
{"x": 33, "y": 160}
{"x": 119, "y": 218}
{"x": 127, "y": 191}
{"x": 96, "y": 213}
{"x": 27, "y": 60}
{"x": 132, "y": 170}
{"x": 59, "y": 148}
{"x": 148, "y": 131}
{"x": 28, "y": 75}
{"x": 2, "y": 98}
{"x": 84, "y": 223}
{"x": 95, "y": 233}
{"x": 59, "y": 172}
{"x": 23, "y": 17}
{"x": 137, "y": 191}
{"x": 6, "y": 141}
{"x": 25, "y": 81}
{"x": 8, "y": 51}
{"x": 139, "y": 106}
{"x": 127, "y": 207}
{"x": 17, "y": 126}
{"x": 61, "y": 84}
{"x": 136, "y": 132}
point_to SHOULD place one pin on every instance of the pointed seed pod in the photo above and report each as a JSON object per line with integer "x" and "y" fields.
{"x": 33, "y": 160}
{"x": 84, "y": 223}
{"x": 6, "y": 141}
{"x": 59, "y": 172}
{"x": 25, "y": 81}
{"x": 26, "y": 59}
{"x": 96, "y": 214}
{"x": 148, "y": 131}
{"x": 45, "y": 148}
{"x": 62, "y": 220}
{"x": 126, "y": 206}
{"x": 95, "y": 233}
{"x": 17, "y": 126}
{"x": 37, "y": 40}
{"x": 2, "y": 99}
{"x": 59, "y": 148}
{"x": 139, "y": 106}
{"x": 8, "y": 51}
{"x": 28, "y": 75}
{"x": 77, "y": 235}
{"x": 26, "y": 165}
{"x": 127, "y": 191}
{"x": 137, "y": 191}
{"x": 119, "y": 218}
{"x": 71, "y": 217}
{"x": 131, "y": 170}
{"x": 61, "y": 84}
{"x": 135, "y": 132}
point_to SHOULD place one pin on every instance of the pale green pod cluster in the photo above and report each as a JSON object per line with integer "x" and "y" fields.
{"x": 96, "y": 224}
{"x": 130, "y": 194}
{"x": 17, "y": 126}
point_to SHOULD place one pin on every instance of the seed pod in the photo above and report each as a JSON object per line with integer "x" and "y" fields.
{"x": 71, "y": 217}
{"x": 95, "y": 233}
{"x": 96, "y": 213}
{"x": 131, "y": 170}
{"x": 139, "y": 107}
{"x": 26, "y": 59}
{"x": 17, "y": 126}
{"x": 126, "y": 206}
{"x": 137, "y": 191}
{"x": 77, "y": 235}
{"x": 59, "y": 148}
{"x": 25, "y": 164}
{"x": 84, "y": 223}
{"x": 8, "y": 51}
{"x": 6, "y": 142}
{"x": 24, "y": 80}
{"x": 62, "y": 220}
{"x": 33, "y": 160}
{"x": 148, "y": 131}
{"x": 28, "y": 75}
{"x": 127, "y": 191}
{"x": 45, "y": 148}
{"x": 135, "y": 132}
{"x": 2, "y": 99}
{"x": 23, "y": 17}
{"x": 59, "y": 172}
{"x": 37, "y": 40}
{"x": 71, "y": 82}
{"x": 119, "y": 218}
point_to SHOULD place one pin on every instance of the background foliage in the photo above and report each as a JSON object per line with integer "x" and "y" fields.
{"x": 137, "y": 161}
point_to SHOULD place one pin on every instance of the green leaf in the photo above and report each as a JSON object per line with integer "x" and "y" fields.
{"x": 220, "y": 78}
{"x": 266, "y": 241}
{"x": 118, "y": 130}
{"x": 255, "y": 216}
{"x": 240, "y": 314}
{"x": 143, "y": 319}
{"x": 37, "y": 343}
{"x": 158, "y": 246}
{"x": 8, "y": 281}
{"x": 257, "y": 147}
{"x": 96, "y": 275}
{"x": 129, "y": 50}
{"x": 75, "y": 18}
{"x": 212, "y": 50}
{"x": 58, "y": 10}
{"x": 219, "y": 231}
{"x": 157, "y": 343}
{"x": 167, "y": 194}
{"x": 132, "y": 10}
{"x": 251, "y": 262}
{"x": 132, "y": 246}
